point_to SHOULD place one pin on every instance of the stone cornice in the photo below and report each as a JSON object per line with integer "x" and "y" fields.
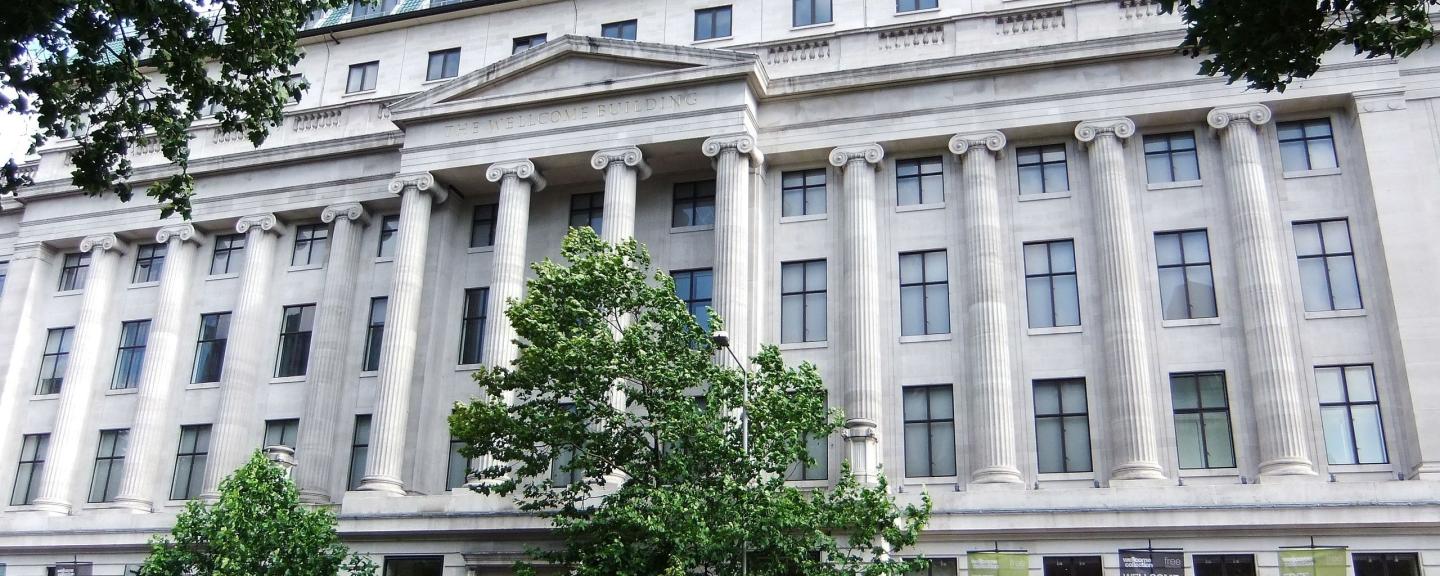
{"x": 992, "y": 140}
{"x": 1089, "y": 130}
{"x": 1221, "y": 118}
{"x": 348, "y": 210}
{"x": 104, "y": 242}
{"x": 870, "y": 154}
{"x": 1380, "y": 100}
{"x": 630, "y": 156}
{"x": 265, "y": 222}
{"x": 421, "y": 181}
{"x": 741, "y": 143}
{"x": 522, "y": 169}
{"x": 182, "y": 232}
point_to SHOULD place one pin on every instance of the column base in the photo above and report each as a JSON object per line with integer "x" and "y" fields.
{"x": 997, "y": 475}
{"x": 1287, "y": 467}
{"x": 55, "y": 507}
{"x": 136, "y": 505}
{"x": 1137, "y": 471}
{"x": 382, "y": 484}
{"x": 863, "y": 453}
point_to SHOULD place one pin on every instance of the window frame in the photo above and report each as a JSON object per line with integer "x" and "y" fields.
{"x": 1386, "y": 560}
{"x": 288, "y": 427}
{"x": 475, "y": 322}
{"x": 193, "y": 485}
{"x": 35, "y": 461}
{"x": 375, "y": 334}
{"x": 119, "y": 442}
{"x": 804, "y": 293}
{"x": 149, "y": 261}
{"x": 712, "y": 14}
{"x": 450, "y": 483}
{"x": 61, "y": 361}
{"x": 313, "y": 238}
{"x": 621, "y": 26}
{"x": 1170, "y": 151}
{"x": 389, "y": 232}
{"x": 1201, "y": 410}
{"x": 1184, "y": 266}
{"x": 814, "y": 18}
{"x": 1062, "y": 415}
{"x": 1223, "y": 563}
{"x": 924, "y": 286}
{"x": 1349, "y": 406}
{"x": 130, "y": 355}
{"x": 295, "y": 340}
{"x": 805, "y": 189}
{"x": 593, "y": 211}
{"x": 821, "y": 456}
{"x": 449, "y": 64}
{"x": 1305, "y": 139}
{"x": 484, "y": 214}
{"x": 222, "y": 321}
{"x": 74, "y": 272}
{"x": 696, "y": 195}
{"x": 919, "y": 163}
{"x": 919, "y": 5}
{"x": 1051, "y": 274}
{"x": 1325, "y": 255}
{"x": 1067, "y": 565}
{"x": 369, "y": 73}
{"x": 520, "y": 44}
{"x": 929, "y": 421}
{"x": 233, "y": 244}
{"x": 364, "y": 11}
{"x": 1042, "y": 164}
{"x": 359, "y": 452}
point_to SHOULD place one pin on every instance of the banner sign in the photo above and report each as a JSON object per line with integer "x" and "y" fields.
{"x": 1327, "y": 561}
{"x": 1145, "y": 562}
{"x": 999, "y": 563}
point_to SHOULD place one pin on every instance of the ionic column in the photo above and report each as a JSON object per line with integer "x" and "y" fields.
{"x": 235, "y": 433}
{"x": 316, "y": 440}
{"x": 993, "y": 455}
{"x": 860, "y": 328}
{"x": 157, "y": 377}
{"x": 623, "y": 167}
{"x": 1270, "y": 333}
{"x": 1129, "y": 359}
{"x": 418, "y": 192}
{"x": 733, "y": 154}
{"x": 31, "y": 272}
{"x": 81, "y": 376}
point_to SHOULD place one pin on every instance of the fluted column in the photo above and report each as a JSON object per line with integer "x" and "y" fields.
{"x": 418, "y": 192}
{"x": 316, "y": 440}
{"x": 81, "y": 377}
{"x": 235, "y": 433}
{"x": 623, "y": 167}
{"x": 1129, "y": 355}
{"x": 860, "y": 329}
{"x": 733, "y": 154}
{"x": 993, "y": 454}
{"x": 1270, "y": 332}
{"x": 157, "y": 377}
{"x": 32, "y": 272}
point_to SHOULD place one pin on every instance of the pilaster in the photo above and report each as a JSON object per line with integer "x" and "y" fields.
{"x": 32, "y": 268}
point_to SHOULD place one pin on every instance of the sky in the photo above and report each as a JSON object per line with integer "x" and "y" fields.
{"x": 14, "y": 131}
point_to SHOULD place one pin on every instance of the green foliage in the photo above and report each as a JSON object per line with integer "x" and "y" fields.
{"x": 692, "y": 496}
{"x": 257, "y": 528}
{"x": 1270, "y": 43}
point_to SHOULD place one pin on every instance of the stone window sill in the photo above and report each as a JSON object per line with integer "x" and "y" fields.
{"x": 359, "y": 93}
{"x": 122, "y": 391}
{"x": 65, "y": 293}
{"x": 1210, "y": 473}
{"x": 222, "y": 276}
{"x": 438, "y": 80}
{"x": 921, "y": 207}
{"x": 803, "y": 218}
{"x": 713, "y": 40}
{"x": 144, "y": 285}
{"x": 287, "y": 379}
{"x": 1312, "y": 173}
{"x": 381, "y": 259}
{"x": 813, "y": 26}
{"x": 696, "y": 228}
{"x": 370, "y": 374}
{"x": 1064, "y": 476}
{"x": 1343, "y": 469}
{"x": 46, "y": 397}
{"x": 202, "y": 386}
{"x": 1181, "y": 323}
{"x": 1325, "y": 314}
{"x": 479, "y": 249}
{"x": 1055, "y": 330}
{"x": 922, "y": 11}
{"x": 1174, "y": 185}
{"x": 924, "y": 338}
{"x": 305, "y": 267}
{"x": 1043, "y": 196}
{"x": 804, "y": 345}
{"x": 469, "y": 367}
{"x": 924, "y": 483}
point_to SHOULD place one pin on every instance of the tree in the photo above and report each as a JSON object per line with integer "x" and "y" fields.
{"x": 656, "y": 479}
{"x": 257, "y": 528}
{"x": 1270, "y": 43}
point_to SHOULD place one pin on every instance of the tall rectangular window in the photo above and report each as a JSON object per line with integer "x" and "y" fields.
{"x": 924, "y": 293}
{"x": 312, "y": 244}
{"x": 938, "y": 567}
{"x": 803, "y": 301}
{"x": 375, "y": 333}
{"x": 587, "y": 210}
{"x": 695, "y": 288}
{"x": 802, "y": 192}
{"x": 561, "y": 473}
{"x": 281, "y": 432}
{"x": 1051, "y": 292}
{"x": 210, "y": 347}
{"x": 1387, "y": 564}
{"x": 623, "y": 30}
{"x": 919, "y": 181}
{"x": 190, "y": 459}
{"x": 362, "y": 77}
{"x": 296, "y": 324}
{"x": 482, "y": 226}
{"x": 1171, "y": 158}
{"x": 33, "y": 448}
{"x": 414, "y": 565}
{"x": 370, "y": 9}
{"x": 229, "y": 254}
{"x": 131, "y": 359}
{"x": 929, "y": 431}
{"x": 1072, "y": 566}
{"x": 1187, "y": 287}
{"x": 456, "y": 466}
{"x": 1306, "y": 145}
{"x": 817, "y": 448}
{"x": 1042, "y": 169}
{"x": 524, "y": 43}
{"x": 810, "y": 12}
{"x": 913, "y": 5}
{"x": 73, "y": 271}
{"x": 1202, "y": 420}
{"x": 389, "y": 234}
{"x": 1327, "y": 265}
{"x": 109, "y": 465}
{"x": 1224, "y": 564}
{"x": 359, "y": 451}
{"x": 443, "y": 64}
{"x": 54, "y": 360}
{"x": 472, "y": 325}
{"x": 711, "y": 23}
{"x": 694, "y": 204}
{"x": 1350, "y": 414}
{"x": 1062, "y": 426}
{"x": 149, "y": 262}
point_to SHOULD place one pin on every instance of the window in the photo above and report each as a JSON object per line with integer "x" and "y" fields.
{"x": 1072, "y": 566}
{"x": 472, "y": 325}
{"x": 623, "y": 30}
{"x": 33, "y": 448}
{"x": 1051, "y": 294}
{"x": 389, "y": 233}
{"x": 414, "y": 565}
{"x": 1042, "y": 169}
{"x": 362, "y": 77}
{"x": 131, "y": 358}
{"x": 919, "y": 181}
{"x": 695, "y": 289}
{"x": 1390, "y": 564}
{"x": 1062, "y": 426}
{"x": 938, "y": 567}
{"x": 1202, "y": 420}
{"x": 482, "y": 226}
{"x": 210, "y": 347}
{"x": 359, "y": 451}
{"x": 443, "y": 64}
{"x": 1171, "y": 158}
{"x": 561, "y": 473}
{"x": 913, "y": 5}
{"x": 190, "y": 460}
{"x": 810, "y": 12}
{"x": 229, "y": 253}
{"x": 74, "y": 270}
{"x": 929, "y": 431}
{"x": 524, "y": 43}
{"x": 1187, "y": 288}
{"x": 1327, "y": 265}
{"x": 296, "y": 323}
{"x": 312, "y": 243}
{"x": 370, "y": 9}
{"x": 1224, "y": 564}
{"x": 1306, "y": 145}
{"x": 694, "y": 204}
{"x": 924, "y": 293}
{"x": 802, "y": 301}
{"x": 375, "y": 333}
{"x": 802, "y": 192}
{"x": 587, "y": 210}
{"x": 109, "y": 465}
{"x": 149, "y": 261}
{"x": 712, "y": 23}
{"x": 1350, "y": 414}
{"x": 54, "y": 360}
{"x": 818, "y": 468}
{"x": 281, "y": 432}
{"x": 211, "y": 108}
{"x": 456, "y": 466}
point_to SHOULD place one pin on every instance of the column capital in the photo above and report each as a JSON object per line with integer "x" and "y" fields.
{"x": 868, "y": 153}
{"x": 1221, "y": 117}
{"x": 1089, "y": 130}
{"x": 630, "y": 156}
{"x": 741, "y": 142}
{"x": 992, "y": 140}
{"x": 346, "y": 210}
{"x": 182, "y": 232}
{"x": 103, "y": 242}
{"x": 266, "y": 222}
{"x": 422, "y": 181}
{"x": 523, "y": 169}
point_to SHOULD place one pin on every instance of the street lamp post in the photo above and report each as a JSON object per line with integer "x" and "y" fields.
{"x": 721, "y": 339}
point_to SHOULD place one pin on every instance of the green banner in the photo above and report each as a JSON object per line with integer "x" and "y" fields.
{"x": 999, "y": 563}
{"x": 1329, "y": 561}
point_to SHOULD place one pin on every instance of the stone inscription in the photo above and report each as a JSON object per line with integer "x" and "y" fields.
{"x": 624, "y": 108}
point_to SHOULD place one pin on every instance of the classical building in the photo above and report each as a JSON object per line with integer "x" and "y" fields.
{"x": 1086, "y": 299}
